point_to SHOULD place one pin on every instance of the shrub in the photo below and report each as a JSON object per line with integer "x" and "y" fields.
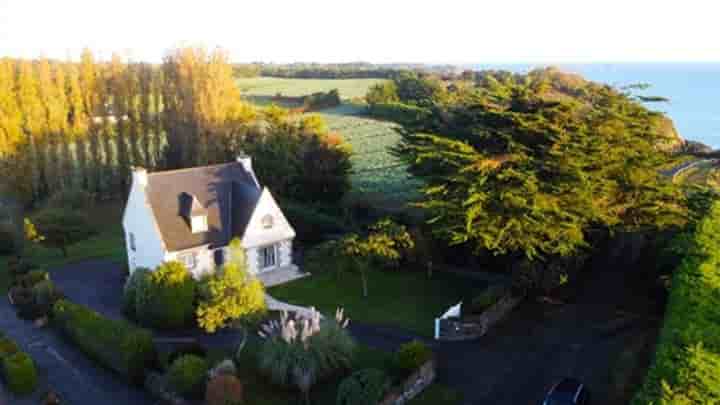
{"x": 45, "y": 294}
{"x": 486, "y": 299}
{"x": 229, "y": 294}
{"x": 224, "y": 390}
{"x": 299, "y": 352}
{"x": 62, "y": 227}
{"x": 8, "y": 240}
{"x": 311, "y": 224}
{"x": 165, "y": 298}
{"x": 24, "y": 303}
{"x": 7, "y": 348}
{"x": 116, "y": 344}
{"x": 225, "y": 367}
{"x": 687, "y": 358}
{"x": 132, "y": 285}
{"x": 186, "y": 375}
{"x": 32, "y": 277}
{"x": 19, "y": 373}
{"x": 193, "y": 348}
{"x": 364, "y": 387}
{"x": 74, "y": 199}
{"x": 411, "y": 356}
{"x": 403, "y": 114}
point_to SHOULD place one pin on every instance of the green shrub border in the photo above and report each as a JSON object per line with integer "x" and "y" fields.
{"x": 116, "y": 344}
{"x": 18, "y": 369}
{"x": 686, "y": 368}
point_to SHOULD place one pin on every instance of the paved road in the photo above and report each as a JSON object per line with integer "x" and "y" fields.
{"x": 514, "y": 364}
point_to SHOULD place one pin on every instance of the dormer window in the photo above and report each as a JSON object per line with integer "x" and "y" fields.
{"x": 199, "y": 223}
{"x": 194, "y": 212}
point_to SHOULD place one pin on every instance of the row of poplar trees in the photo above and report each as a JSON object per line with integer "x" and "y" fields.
{"x": 84, "y": 125}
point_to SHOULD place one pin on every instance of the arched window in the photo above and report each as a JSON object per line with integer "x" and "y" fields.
{"x": 267, "y": 221}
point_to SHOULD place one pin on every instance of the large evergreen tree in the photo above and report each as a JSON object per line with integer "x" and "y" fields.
{"x": 518, "y": 167}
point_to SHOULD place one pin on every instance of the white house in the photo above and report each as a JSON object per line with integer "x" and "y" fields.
{"x": 191, "y": 215}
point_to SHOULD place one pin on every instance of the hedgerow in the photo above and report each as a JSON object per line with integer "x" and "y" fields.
{"x": 686, "y": 369}
{"x": 116, "y": 344}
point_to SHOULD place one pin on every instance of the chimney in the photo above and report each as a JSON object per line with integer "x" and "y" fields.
{"x": 139, "y": 176}
{"x": 246, "y": 162}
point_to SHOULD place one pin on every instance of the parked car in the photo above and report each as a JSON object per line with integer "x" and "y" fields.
{"x": 568, "y": 391}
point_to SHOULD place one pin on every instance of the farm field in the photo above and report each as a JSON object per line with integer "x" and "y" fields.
{"x": 377, "y": 176}
{"x": 270, "y": 86}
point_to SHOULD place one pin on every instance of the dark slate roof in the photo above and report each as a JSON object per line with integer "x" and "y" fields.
{"x": 226, "y": 193}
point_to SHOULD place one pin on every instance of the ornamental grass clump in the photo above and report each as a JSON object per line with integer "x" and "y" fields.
{"x": 300, "y": 351}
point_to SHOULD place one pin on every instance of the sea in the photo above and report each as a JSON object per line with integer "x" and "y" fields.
{"x": 693, "y": 90}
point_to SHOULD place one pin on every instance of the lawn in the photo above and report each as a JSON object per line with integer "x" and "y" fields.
{"x": 404, "y": 300}
{"x": 270, "y": 86}
{"x": 108, "y": 243}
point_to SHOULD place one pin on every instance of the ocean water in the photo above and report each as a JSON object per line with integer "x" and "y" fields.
{"x": 693, "y": 90}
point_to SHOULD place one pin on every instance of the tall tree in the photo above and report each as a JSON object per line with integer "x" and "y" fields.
{"x": 90, "y": 88}
{"x": 78, "y": 123}
{"x": 34, "y": 122}
{"x": 120, "y": 100}
{"x": 522, "y": 167}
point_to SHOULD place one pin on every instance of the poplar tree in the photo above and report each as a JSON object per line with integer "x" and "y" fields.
{"x": 90, "y": 90}
{"x": 78, "y": 125}
{"x": 119, "y": 99}
{"x": 33, "y": 122}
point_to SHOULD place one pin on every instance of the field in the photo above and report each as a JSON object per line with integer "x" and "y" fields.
{"x": 378, "y": 176}
{"x": 270, "y": 86}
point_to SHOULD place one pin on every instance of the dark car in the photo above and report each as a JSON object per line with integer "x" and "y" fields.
{"x": 567, "y": 391}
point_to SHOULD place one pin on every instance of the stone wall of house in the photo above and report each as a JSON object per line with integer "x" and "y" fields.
{"x": 285, "y": 252}
{"x": 412, "y": 386}
{"x": 475, "y": 326}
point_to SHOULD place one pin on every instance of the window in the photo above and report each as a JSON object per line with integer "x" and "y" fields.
{"x": 199, "y": 224}
{"x": 267, "y": 257}
{"x": 131, "y": 237}
{"x": 188, "y": 259}
{"x": 267, "y": 221}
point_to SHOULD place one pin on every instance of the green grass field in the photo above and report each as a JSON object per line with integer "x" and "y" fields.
{"x": 377, "y": 176}
{"x": 270, "y": 86}
{"x": 401, "y": 299}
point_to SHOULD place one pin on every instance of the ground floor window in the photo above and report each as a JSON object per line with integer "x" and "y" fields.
{"x": 268, "y": 256}
{"x": 188, "y": 259}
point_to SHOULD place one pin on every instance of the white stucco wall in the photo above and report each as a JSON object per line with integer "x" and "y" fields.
{"x": 257, "y": 236}
{"x": 139, "y": 220}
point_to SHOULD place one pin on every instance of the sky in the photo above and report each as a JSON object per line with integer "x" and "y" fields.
{"x": 379, "y": 31}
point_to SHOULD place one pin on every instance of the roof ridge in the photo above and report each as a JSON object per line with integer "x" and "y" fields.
{"x": 173, "y": 171}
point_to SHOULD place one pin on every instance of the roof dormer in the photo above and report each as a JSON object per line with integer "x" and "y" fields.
{"x": 195, "y": 214}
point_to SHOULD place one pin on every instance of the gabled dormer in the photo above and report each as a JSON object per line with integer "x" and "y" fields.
{"x": 195, "y": 213}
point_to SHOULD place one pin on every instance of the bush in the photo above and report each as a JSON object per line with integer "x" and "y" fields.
{"x": 312, "y": 225}
{"x": 116, "y": 344}
{"x": 132, "y": 285}
{"x": 224, "y": 390}
{"x": 687, "y": 358}
{"x": 7, "y": 348}
{"x": 486, "y": 299}
{"x": 24, "y": 303}
{"x": 193, "y": 348}
{"x": 301, "y": 353}
{"x": 8, "y": 240}
{"x": 19, "y": 373}
{"x": 230, "y": 294}
{"x": 364, "y": 387}
{"x": 74, "y": 199}
{"x": 32, "y": 277}
{"x": 165, "y": 297}
{"x": 411, "y": 356}
{"x": 19, "y": 267}
{"x": 186, "y": 375}
{"x": 403, "y": 114}
{"x": 62, "y": 227}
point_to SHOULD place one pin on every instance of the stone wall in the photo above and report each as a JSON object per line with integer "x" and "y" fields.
{"x": 412, "y": 386}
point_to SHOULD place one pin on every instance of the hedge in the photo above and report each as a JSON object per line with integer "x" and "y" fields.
{"x": 187, "y": 374}
{"x": 398, "y": 112}
{"x": 19, "y": 373}
{"x": 686, "y": 368}
{"x": 116, "y": 344}
{"x": 311, "y": 224}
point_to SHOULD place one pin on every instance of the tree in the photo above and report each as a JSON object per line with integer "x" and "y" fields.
{"x": 529, "y": 165}
{"x": 383, "y": 247}
{"x": 229, "y": 294}
{"x": 61, "y": 228}
{"x": 381, "y": 93}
